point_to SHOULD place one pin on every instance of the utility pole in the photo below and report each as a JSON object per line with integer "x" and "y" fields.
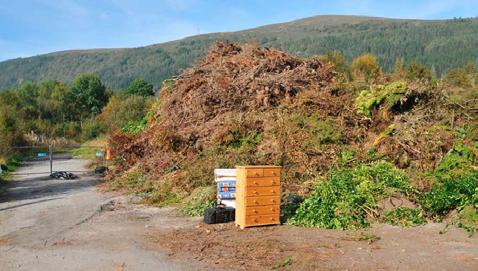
{"x": 51, "y": 158}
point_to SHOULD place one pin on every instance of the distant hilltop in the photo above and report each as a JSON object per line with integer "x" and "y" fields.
{"x": 439, "y": 44}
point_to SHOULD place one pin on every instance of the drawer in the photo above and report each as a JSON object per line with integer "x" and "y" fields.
{"x": 254, "y": 172}
{"x": 272, "y": 172}
{"x": 262, "y": 220}
{"x": 263, "y": 191}
{"x": 266, "y": 200}
{"x": 264, "y": 181}
{"x": 263, "y": 210}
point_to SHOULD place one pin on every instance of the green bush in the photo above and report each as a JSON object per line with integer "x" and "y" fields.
{"x": 162, "y": 194}
{"x": 135, "y": 127}
{"x": 134, "y": 182}
{"x": 126, "y": 113}
{"x": 460, "y": 160}
{"x": 199, "y": 200}
{"x": 139, "y": 87}
{"x": 404, "y": 217}
{"x": 391, "y": 94}
{"x": 449, "y": 194}
{"x": 456, "y": 184}
{"x": 351, "y": 197}
{"x": 91, "y": 129}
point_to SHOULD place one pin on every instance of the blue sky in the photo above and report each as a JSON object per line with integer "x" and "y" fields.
{"x": 40, "y": 26}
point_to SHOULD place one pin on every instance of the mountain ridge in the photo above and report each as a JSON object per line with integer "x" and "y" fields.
{"x": 440, "y": 44}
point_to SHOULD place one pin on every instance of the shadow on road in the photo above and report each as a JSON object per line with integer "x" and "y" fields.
{"x": 29, "y": 203}
{"x": 44, "y": 186}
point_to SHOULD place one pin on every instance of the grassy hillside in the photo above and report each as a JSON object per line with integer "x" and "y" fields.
{"x": 438, "y": 44}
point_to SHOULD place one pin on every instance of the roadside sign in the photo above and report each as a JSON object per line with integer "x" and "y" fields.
{"x": 41, "y": 154}
{"x": 99, "y": 154}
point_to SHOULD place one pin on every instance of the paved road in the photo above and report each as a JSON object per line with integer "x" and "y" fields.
{"x": 48, "y": 224}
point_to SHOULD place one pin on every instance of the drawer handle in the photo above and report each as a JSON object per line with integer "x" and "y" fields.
{"x": 273, "y": 182}
{"x": 257, "y": 173}
{"x": 273, "y": 173}
{"x": 273, "y": 191}
{"x": 273, "y": 201}
{"x": 256, "y": 202}
{"x": 256, "y": 183}
{"x": 254, "y": 211}
{"x": 255, "y": 192}
{"x": 255, "y": 220}
{"x": 273, "y": 219}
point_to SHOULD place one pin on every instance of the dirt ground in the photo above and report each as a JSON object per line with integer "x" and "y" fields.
{"x": 383, "y": 247}
{"x": 50, "y": 224}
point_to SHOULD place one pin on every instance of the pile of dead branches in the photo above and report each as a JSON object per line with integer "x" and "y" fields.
{"x": 247, "y": 105}
{"x": 231, "y": 80}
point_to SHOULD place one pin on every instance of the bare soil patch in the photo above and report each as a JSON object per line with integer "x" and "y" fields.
{"x": 382, "y": 247}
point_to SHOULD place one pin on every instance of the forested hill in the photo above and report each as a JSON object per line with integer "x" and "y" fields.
{"x": 439, "y": 44}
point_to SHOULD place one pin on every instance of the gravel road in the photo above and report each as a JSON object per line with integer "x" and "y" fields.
{"x": 49, "y": 224}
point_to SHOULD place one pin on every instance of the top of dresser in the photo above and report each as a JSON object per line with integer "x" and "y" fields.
{"x": 258, "y": 166}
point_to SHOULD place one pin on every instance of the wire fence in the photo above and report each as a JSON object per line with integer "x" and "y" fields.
{"x": 57, "y": 153}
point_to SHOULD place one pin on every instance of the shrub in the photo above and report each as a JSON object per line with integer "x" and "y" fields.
{"x": 125, "y": 111}
{"x": 460, "y": 160}
{"x": 456, "y": 182}
{"x": 351, "y": 197}
{"x": 391, "y": 94}
{"x": 449, "y": 194}
{"x": 416, "y": 71}
{"x": 139, "y": 87}
{"x": 91, "y": 129}
{"x": 134, "y": 182}
{"x": 458, "y": 77}
{"x": 366, "y": 67}
{"x": 135, "y": 127}
{"x": 404, "y": 217}
{"x": 163, "y": 194}
{"x": 199, "y": 200}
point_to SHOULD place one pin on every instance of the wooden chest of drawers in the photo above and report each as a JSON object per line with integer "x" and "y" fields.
{"x": 257, "y": 195}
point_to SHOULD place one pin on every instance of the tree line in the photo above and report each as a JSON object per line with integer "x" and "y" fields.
{"x": 37, "y": 113}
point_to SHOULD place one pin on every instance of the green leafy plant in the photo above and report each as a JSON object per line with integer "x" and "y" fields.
{"x": 405, "y": 217}
{"x": 199, "y": 200}
{"x": 456, "y": 183}
{"x": 373, "y": 98}
{"x": 350, "y": 198}
{"x": 135, "y": 127}
{"x": 460, "y": 160}
{"x": 450, "y": 194}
